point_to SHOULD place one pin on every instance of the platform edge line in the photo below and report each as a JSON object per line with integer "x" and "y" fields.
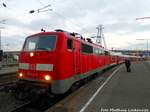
{"x": 98, "y": 90}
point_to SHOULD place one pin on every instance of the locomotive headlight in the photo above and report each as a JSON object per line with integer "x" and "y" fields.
{"x": 20, "y": 75}
{"x": 31, "y": 54}
{"x": 47, "y": 77}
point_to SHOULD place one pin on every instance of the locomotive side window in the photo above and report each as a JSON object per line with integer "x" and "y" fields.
{"x": 102, "y": 51}
{"x": 69, "y": 44}
{"x": 86, "y": 48}
{"x": 95, "y": 50}
{"x": 98, "y": 51}
{"x": 107, "y": 53}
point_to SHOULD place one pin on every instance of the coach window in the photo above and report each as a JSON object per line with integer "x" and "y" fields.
{"x": 69, "y": 44}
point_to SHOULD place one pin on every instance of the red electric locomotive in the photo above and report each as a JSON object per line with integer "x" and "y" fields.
{"x": 56, "y": 60}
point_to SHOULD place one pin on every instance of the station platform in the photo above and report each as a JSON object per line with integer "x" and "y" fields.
{"x": 125, "y": 91}
{"x": 121, "y": 92}
{"x": 8, "y": 70}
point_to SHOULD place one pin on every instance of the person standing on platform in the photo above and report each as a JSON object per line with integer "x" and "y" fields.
{"x": 128, "y": 64}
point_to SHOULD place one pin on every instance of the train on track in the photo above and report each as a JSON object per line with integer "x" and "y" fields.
{"x": 55, "y": 61}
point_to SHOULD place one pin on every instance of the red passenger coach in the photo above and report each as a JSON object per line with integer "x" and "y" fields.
{"x": 59, "y": 59}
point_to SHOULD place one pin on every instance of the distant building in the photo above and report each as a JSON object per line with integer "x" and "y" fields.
{"x": 142, "y": 53}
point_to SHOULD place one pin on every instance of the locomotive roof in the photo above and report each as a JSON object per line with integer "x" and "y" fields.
{"x": 67, "y": 33}
{"x": 43, "y": 33}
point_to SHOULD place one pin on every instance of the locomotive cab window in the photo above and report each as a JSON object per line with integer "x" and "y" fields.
{"x": 40, "y": 43}
{"x": 69, "y": 44}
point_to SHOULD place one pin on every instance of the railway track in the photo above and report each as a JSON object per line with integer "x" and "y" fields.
{"x": 40, "y": 105}
{"x": 85, "y": 89}
{"x": 43, "y": 103}
{"x": 20, "y": 108}
{"x": 8, "y": 77}
{"x": 7, "y": 81}
{"x": 7, "y": 86}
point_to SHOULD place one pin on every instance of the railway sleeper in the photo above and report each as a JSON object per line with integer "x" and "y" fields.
{"x": 25, "y": 91}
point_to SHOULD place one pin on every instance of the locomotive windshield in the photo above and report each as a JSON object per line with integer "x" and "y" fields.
{"x": 40, "y": 43}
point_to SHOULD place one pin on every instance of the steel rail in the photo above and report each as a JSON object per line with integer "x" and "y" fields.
{"x": 20, "y": 107}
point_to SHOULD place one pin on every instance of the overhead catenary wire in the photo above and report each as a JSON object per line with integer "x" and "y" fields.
{"x": 78, "y": 27}
{"x": 3, "y": 4}
{"x": 62, "y": 16}
{"x": 45, "y": 6}
{"x": 143, "y": 18}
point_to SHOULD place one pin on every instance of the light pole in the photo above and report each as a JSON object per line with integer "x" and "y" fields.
{"x": 1, "y": 22}
{"x": 146, "y": 47}
{"x": 1, "y": 37}
{"x": 0, "y": 40}
{"x": 148, "y": 17}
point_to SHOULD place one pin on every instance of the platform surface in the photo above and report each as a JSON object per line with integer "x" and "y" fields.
{"x": 124, "y": 92}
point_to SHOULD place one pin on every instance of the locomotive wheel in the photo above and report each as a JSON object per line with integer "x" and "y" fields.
{"x": 75, "y": 86}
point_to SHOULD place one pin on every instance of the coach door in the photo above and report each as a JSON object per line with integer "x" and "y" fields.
{"x": 77, "y": 57}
